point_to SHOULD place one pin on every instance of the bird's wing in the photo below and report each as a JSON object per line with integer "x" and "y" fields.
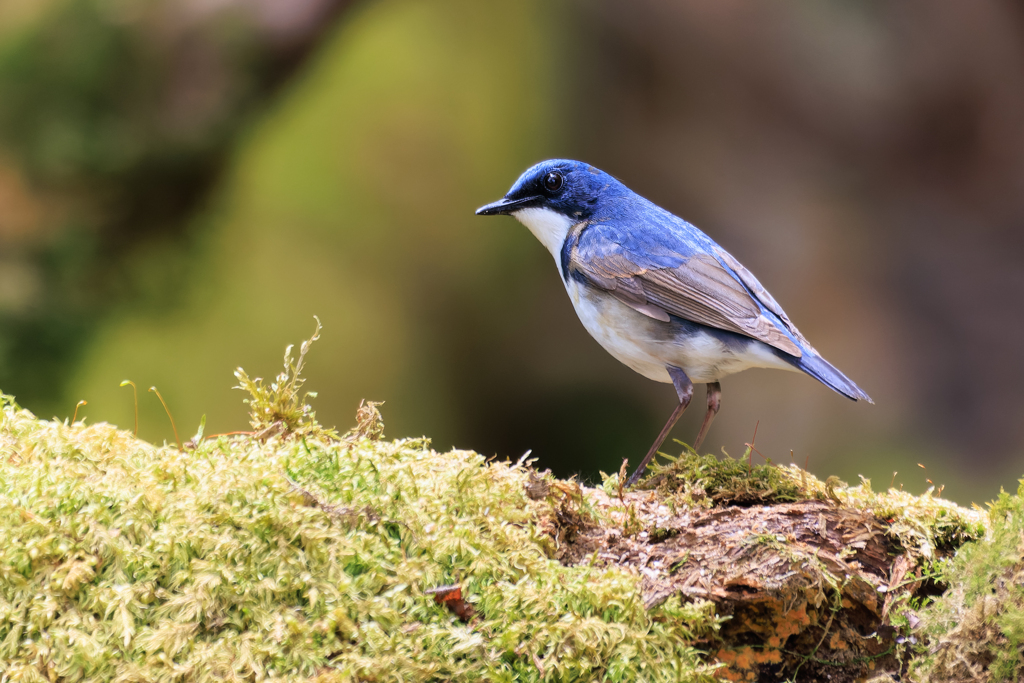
{"x": 673, "y": 275}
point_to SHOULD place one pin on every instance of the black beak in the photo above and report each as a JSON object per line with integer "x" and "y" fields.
{"x": 505, "y": 206}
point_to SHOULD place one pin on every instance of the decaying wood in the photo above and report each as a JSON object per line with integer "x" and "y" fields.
{"x": 806, "y": 586}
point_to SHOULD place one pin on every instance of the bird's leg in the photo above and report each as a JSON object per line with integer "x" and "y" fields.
{"x": 714, "y": 403}
{"x": 684, "y": 388}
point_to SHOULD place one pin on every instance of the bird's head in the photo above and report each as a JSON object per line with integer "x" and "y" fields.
{"x": 552, "y": 196}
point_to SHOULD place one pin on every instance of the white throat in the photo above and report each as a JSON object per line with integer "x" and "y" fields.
{"x": 550, "y": 227}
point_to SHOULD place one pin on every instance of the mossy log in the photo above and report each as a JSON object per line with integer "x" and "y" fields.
{"x": 308, "y": 555}
{"x": 294, "y": 553}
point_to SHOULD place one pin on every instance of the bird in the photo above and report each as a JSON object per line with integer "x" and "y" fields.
{"x": 656, "y": 292}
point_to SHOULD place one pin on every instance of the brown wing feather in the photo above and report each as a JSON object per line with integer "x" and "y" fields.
{"x": 761, "y": 293}
{"x": 700, "y": 290}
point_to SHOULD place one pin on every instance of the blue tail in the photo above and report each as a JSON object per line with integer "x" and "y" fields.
{"x": 823, "y": 371}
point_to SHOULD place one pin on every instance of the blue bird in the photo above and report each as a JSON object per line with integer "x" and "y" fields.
{"x": 657, "y": 293}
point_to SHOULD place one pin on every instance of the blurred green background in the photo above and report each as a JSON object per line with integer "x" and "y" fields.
{"x": 183, "y": 185}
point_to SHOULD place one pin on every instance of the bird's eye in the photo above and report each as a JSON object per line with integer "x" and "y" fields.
{"x": 553, "y": 181}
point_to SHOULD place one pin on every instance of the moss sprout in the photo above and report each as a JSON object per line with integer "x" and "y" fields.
{"x": 280, "y": 408}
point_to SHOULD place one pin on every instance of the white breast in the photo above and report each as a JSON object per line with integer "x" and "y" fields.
{"x": 622, "y": 332}
{"x": 550, "y": 227}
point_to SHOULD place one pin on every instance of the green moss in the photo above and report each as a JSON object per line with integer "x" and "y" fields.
{"x": 124, "y": 561}
{"x": 926, "y": 526}
{"x": 977, "y": 626}
{"x": 722, "y": 480}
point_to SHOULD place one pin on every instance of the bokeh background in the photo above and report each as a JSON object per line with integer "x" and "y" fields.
{"x": 185, "y": 183}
